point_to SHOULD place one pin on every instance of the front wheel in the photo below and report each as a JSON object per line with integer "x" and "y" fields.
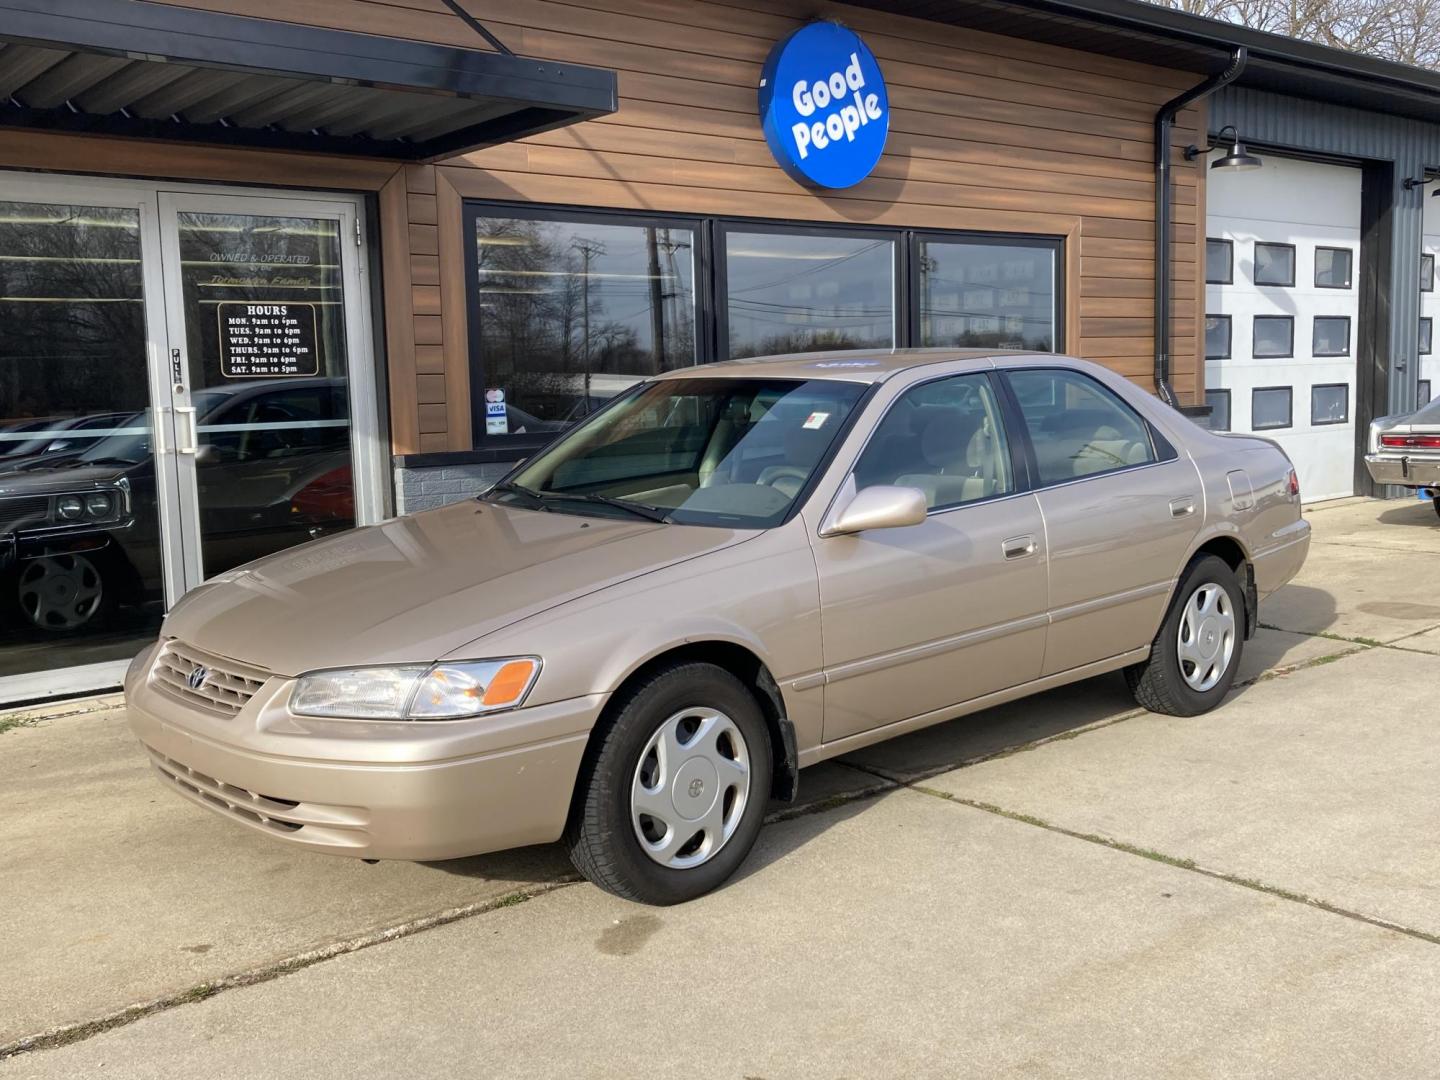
{"x": 1195, "y": 655}
{"x": 674, "y": 787}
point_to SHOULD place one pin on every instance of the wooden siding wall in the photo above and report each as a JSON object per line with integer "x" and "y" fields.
{"x": 987, "y": 133}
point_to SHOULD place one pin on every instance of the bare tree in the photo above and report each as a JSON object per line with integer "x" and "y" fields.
{"x": 1407, "y": 31}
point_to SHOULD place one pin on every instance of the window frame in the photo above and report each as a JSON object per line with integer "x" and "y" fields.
{"x": 1019, "y": 458}
{"x": 1161, "y": 449}
{"x": 1290, "y": 415}
{"x": 722, "y": 228}
{"x": 1229, "y": 337}
{"x": 1255, "y": 265}
{"x": 1329, "y": 386}
{"x": 917, "y": 237}
{"x": 1255, "y": 321}
{"x": 1427, "y": 281}
{"x": 1229, "y": 279}
{"x": 1427, "y": 385}
{"x": 710, "y": 281}
{"x": 1229, "y": 410}
{"x": 1349, "y": 262}
{"x": 1314, "y": 322}
{"x": 1425, "y": 321}
{"x": 508, "y": 447}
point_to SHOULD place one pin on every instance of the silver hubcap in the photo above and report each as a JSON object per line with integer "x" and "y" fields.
{"x": 690, "y": 788}
{"x": 1207, "y": 637}
{"x": 60, "y": 592}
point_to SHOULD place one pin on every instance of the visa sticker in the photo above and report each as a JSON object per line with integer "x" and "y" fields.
{"x": 816, "y": 420}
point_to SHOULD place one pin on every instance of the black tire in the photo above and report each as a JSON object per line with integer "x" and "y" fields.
{"x": 601, "y": 835}
{"x": 1159, "y": 684}
{"x": 91, "y": 568}
{"x": 1435, "y": 500}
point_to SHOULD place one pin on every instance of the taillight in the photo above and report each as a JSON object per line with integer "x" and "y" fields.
{"x": 1410, "y": 442}
{"x": 1293, "y": 485}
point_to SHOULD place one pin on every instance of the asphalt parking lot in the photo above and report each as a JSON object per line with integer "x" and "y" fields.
{"x": 1065, "y": 886}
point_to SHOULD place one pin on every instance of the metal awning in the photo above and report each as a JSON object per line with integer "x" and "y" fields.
{"x": 154, "y": 71}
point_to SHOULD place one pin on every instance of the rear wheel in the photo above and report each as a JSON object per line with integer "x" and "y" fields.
{"x": 1194, "y": 657}
{"x": 674, "y": 787}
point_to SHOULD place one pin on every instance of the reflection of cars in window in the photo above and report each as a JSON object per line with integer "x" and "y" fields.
{"x": 75, "y": 527}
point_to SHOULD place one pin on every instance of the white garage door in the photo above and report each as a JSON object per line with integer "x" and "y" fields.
{"x": 1282, "y": 266}
{"x": 1428, "y": 368}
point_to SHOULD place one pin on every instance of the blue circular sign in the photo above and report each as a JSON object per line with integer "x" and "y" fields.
{"x": 823, "y": 106}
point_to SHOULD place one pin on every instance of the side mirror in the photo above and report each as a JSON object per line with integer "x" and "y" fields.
{"x": 882, "y": 506}
{"x": 207, "y": 454}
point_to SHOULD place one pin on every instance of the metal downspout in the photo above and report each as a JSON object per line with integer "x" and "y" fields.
{"x": 1164, "y": 122}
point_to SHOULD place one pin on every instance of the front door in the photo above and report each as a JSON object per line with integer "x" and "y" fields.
{"x": 185, "y": 384}
{"x": 921, "y": 618}
{"x": 260, "y": 321}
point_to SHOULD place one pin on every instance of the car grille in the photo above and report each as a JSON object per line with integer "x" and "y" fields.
{"x": 226, "y": 688}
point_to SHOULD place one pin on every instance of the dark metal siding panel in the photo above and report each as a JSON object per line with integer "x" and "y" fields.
{"x": 1413, "y": 146}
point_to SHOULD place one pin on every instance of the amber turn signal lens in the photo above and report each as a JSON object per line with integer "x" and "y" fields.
{"x": 509, "y": 683}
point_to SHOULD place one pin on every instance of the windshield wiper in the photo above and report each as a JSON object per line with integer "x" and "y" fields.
{"x": 509, "y": 487}
{"x": 645, "y": 510}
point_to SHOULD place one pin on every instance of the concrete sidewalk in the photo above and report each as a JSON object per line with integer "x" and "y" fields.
{"x": 1064, "y": 886}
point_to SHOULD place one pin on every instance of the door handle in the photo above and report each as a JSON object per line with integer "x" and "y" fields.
{"x": 1182, "y": 507}
{"x": 187, "y": 445}
{"x": 1018, "y": 547}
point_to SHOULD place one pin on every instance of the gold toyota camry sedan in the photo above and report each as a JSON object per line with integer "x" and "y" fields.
{"x": 644, "y": 633}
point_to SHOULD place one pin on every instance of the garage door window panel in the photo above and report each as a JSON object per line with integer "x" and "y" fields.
{"x": 1329, "y": 404}
{"x": 1271, "y": 408}
{"x": 1219, "y": 403}
{"x": 1427, "y": 273}
{"x": 1219, "y": 262}
{"x": 1077, "y": 427}
{"x": 1274, "y": 264}
{"x": 1333, "y": 268}
{"x": 1273, "y": 337}
{"x": 1423, "y": 392}
{"x": 1330, "y": 336}
{"x": 1217, "y": 337}
{"x": 1426, "y": 336}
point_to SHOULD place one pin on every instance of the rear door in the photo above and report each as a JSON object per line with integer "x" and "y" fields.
{"x": 920, "y": 618}
{"x": 1121, "y": 508}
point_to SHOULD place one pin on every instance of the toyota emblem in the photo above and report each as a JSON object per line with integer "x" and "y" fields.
{"x": 198, "y": 674}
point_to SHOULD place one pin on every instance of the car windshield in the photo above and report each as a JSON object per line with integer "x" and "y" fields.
{"x": 695, "y": 451}
{"x": 1428, "y": 413}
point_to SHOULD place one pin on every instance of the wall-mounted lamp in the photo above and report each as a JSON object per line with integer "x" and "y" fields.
{"x": 1237, "y": 160}
{"x": 1420, "y": 181}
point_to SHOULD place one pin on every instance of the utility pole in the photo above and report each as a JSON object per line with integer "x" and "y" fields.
{"x": 657, "y": 299}
{"x": 589, "y": 250}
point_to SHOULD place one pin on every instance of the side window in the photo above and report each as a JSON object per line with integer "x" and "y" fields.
{"x": 1077, "y": 426}
{"x": 945, "y": 438}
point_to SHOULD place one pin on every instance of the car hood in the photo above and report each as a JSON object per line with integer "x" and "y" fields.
{"x": 418, "y": 588}
{"x": 29, "y": 480}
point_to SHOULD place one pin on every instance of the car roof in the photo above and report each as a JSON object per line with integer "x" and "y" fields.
{"x": 849, "y": 365}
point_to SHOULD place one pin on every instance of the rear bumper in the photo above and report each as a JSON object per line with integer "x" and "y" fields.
{"x": 1279, "y": 564}
{"x": 1403, "y": 471}
{"x": 365, "y": 789}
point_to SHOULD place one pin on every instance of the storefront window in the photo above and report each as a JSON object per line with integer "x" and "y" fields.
{"x": 567, "y": 313}
{"x": 987, "y": 295}
{"x": 797, "y": 292}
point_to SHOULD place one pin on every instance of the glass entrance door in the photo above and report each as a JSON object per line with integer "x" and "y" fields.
{"x": 185, "y": 385}
{"x": 259, "y": 311}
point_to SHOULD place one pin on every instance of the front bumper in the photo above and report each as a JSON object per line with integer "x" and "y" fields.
{"x": 1403, "y": 470}
{"x": 417, "y": 791}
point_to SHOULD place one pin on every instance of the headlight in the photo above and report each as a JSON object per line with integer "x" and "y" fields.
{"x": 70, "y": 507}
{"x": 444, "y": 691}
{"x": 99, "y": 505}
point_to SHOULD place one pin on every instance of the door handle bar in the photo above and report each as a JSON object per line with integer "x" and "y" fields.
{"x": 157, "y": 423}
{"x": 188, "y": 445}
{"x": 1182, "y": 507}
